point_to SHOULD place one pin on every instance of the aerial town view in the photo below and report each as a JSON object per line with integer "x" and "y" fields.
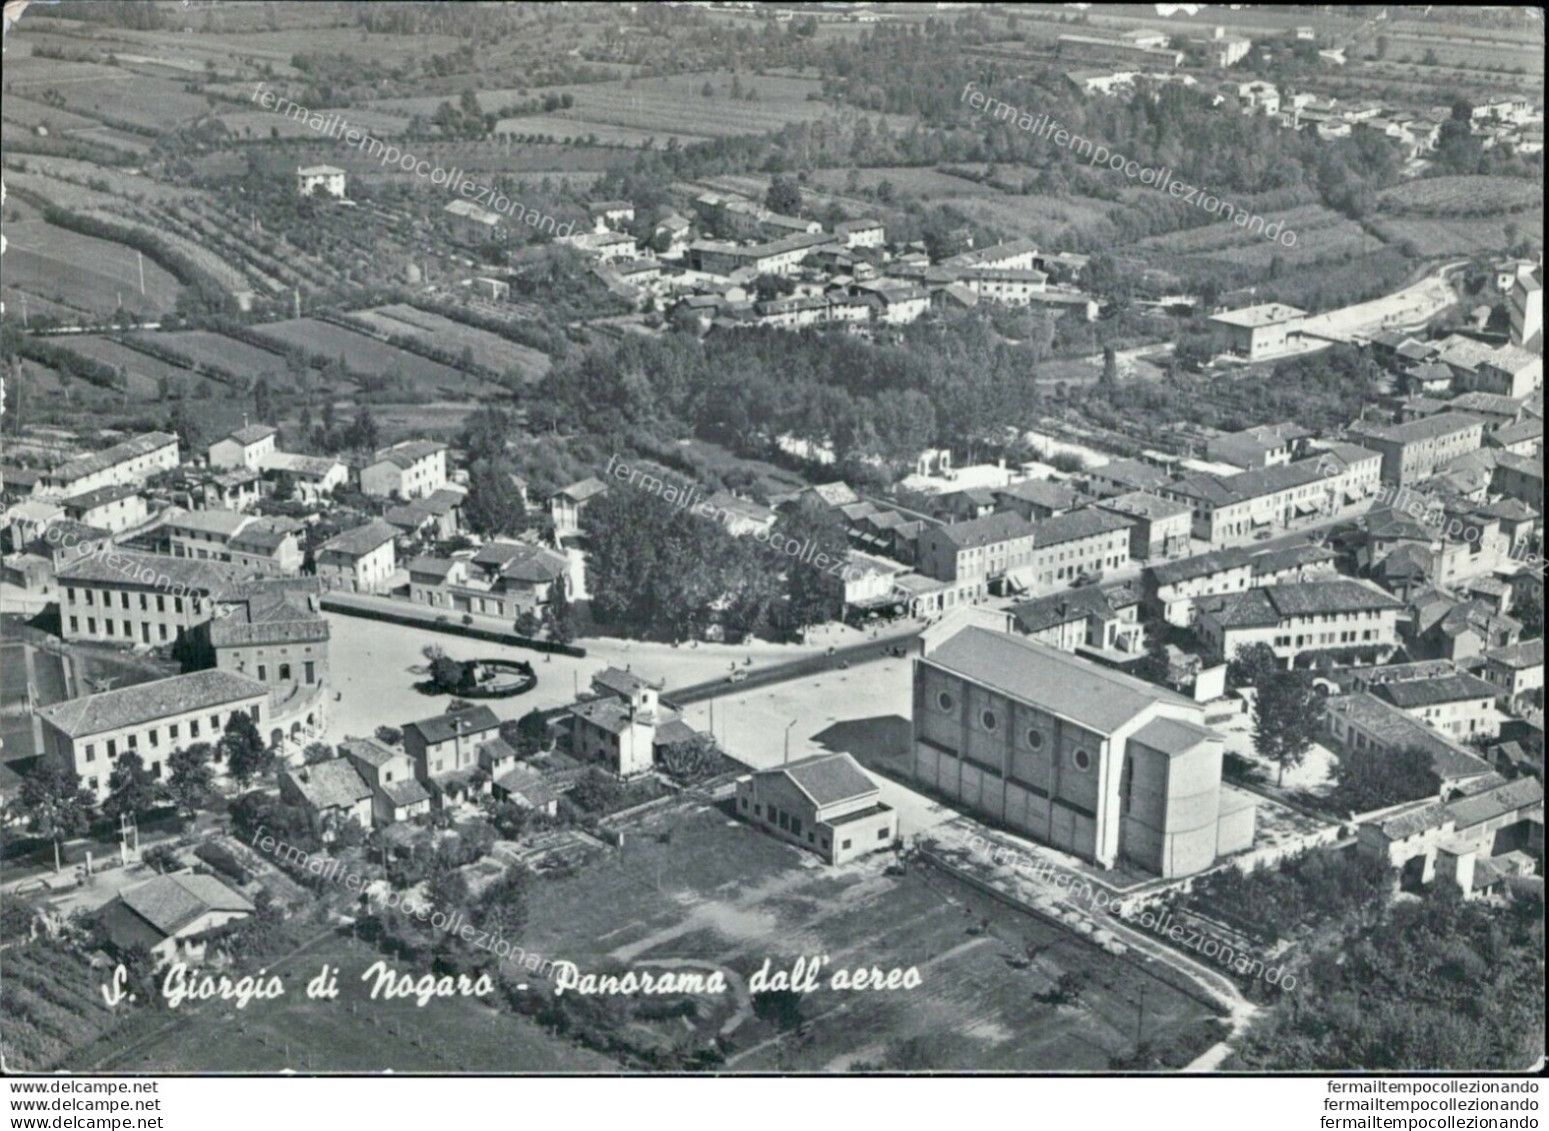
{"x": 752, "y": 539}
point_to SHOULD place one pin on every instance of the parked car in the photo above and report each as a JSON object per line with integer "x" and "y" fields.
{"x": 737, "y": 676}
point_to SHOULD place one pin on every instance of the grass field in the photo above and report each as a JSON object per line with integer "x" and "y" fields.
{"x": 83, "y": 272}
{"x": 487, "y": 349}
{"x": 95, "y": 91}
{"x": 350, "y": 1034}
{"x": 1461, "y": 237}
{"x": 360, "y": 353}
{"x": 143, "y": 369}
{"x": 217, "y": 349}
{"x": 723, "y": 893}
{"x": 1470, "y": 196}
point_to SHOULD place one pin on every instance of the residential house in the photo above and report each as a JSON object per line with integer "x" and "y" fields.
{"x": 1036, "y": 499}
{"x": 437, "y": 516}
{"x": 1160, "y": 527}
{"x": 504, "y": 579}
{"x": 168, "y": 916}
{"x": 1461, "y": 705}
{"x": 445, "y": 749}
{"x": 1363, "y": 721}
{"x": 334, "y": 790}
{"x": 1519, "y": 477}
{"x": 362, "y": 559}
{"x": 1124, "y": 476}
{"x": 310, "y": 179}
{"x": 117, "y": 508}
{"x": 1104, "y": 620}
{"x": 397, "y": 794}
{"x": 1265, "y": 445}
{"x": 1516, "y": 671}
{"x": 1296, "y": 617}
{"x": 131, "y": 461}
{"x": 1417, "y": 450}
{"x": 408, "y": 470}
{"x": 246, "y": 447}
{"x": 1469, "y": 843}
{"x": 825, "y": 803}
{"x": 1172, "y": 590}
{"x": 566, "y": 505}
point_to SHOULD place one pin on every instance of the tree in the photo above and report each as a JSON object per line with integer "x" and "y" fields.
{"x": 560, "y": 613}
{"x": 527, "y": 623}
{"x": 814, "y": 590}
{"x": 53, "y": 803}
{"x": 1253, "y": 666}
{"x": 1285, "y": 718}
{"x": 528, "y": 734}
{"x": 244, "y": 751}
{"x": 316, "y": 752}
{"x": 503, "y": 904}
{"x": 1530, "y": 611}
{"x": 493, "y": 506}
{"x": 131, "y": 789}
{"x": 784, "y": 197}
{"x": 449, "y": 675}
{"x": 190, "y": 778}
{"x": 693, "y": 759}
{"x": 1367, "y": 778}
{"x": 596, "y": 792}
{"x": 1110, "y": 374}
{"x": 390, "y": 735}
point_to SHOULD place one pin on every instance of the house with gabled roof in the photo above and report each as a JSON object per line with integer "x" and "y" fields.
{"x": 334, "y": 790}
{"x": 396, "y": 793}
{"x": 360, "y": 559}
{"x": 824, "y": 803}
{"x": 411, "y": 469}
{"x": 168, "y": 914}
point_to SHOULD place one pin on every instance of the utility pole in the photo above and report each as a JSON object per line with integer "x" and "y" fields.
{"x": 140, "y": 261}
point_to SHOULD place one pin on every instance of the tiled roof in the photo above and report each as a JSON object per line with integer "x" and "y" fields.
{"x": 215, "y": 520}
{"x": 147, "y": 702}
{"x": 87, "y": 500}
{"x": 1527, "y": 654}
{"x": 335, "y": 784}
{"x": 430, "y": 566}
{"x": 827, "y": 779}
{"x": 1035, "y": 616}
{"x": 529, "y": 785}
{"x": 1144, "y": 505}
{"x": 1291, "y": 557}
{"x": 270, "y": 611}
{"x": 409, "y": 791}
{"x": 130, "y": 567}
{"x": 170, "y": 903}
{"x": 1089, "y": 694}
{"x": 1413, "y": 693}
{"x": 408, "y": 453}
{"x": 1042, "y": 492}
{"x": 371, "y": 750}
{"x": 1396, "y": 729}
{"x": 1076, "y": 525}
{"x": 1301, "y": 598}
{"x": 360, "y": 540}
{"x": 90, "y": 464}
{"x": 1497, "y": 802}
{"x": 252, "y": 434}
{"x": 987, "y": 531}
{"x": 1442, "y": 424}
{"x": 619, "y": 682}
{"x": 439, "y": 728}
{"x": 583, "y": 490}
{"x": 1200, "y": 565}
{"x": 1133, "y": 473}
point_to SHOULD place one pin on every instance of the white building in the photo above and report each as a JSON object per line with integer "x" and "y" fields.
{"x": 311, "y": 178}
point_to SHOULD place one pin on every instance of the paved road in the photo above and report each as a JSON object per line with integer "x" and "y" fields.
{"x": 853, "y": 655}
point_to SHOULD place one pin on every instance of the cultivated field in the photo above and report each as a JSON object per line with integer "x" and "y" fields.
{"x": 360, "y": 353}
{"x": 487, "y": 349}
{"x": 205, "y": 347}
{"x": 144, "y": 370}
{"x": 563, "y": 129}
{"x": 82, "y": 272}
{"x": 113, "y": 94}
{"x": 1462, "y": 196}
{"x": 723, "y": 893}
{"x": 1461, "y": 237}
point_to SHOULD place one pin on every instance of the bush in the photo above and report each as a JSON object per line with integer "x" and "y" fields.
{"x": 223, "y": 861}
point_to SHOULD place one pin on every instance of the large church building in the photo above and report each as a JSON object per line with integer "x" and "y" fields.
{"x": 1086, "y": 759}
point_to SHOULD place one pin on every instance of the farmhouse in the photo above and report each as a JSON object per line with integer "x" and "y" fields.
{"x": 311, "y": 179}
